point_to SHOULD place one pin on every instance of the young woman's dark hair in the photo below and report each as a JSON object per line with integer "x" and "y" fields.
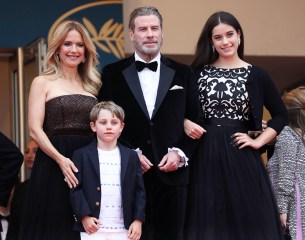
{"x": 204, "y": 54}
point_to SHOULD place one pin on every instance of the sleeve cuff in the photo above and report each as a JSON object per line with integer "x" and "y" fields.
{"x": 183, "y": 158}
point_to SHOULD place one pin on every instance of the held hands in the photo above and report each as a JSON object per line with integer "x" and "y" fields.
{"x": 192, "y": 129}
{"x": 170, "y": 162}
{"x": 135, "y": 230}
{"x": 68, "y": 168}
{"x": 90, "y": 224}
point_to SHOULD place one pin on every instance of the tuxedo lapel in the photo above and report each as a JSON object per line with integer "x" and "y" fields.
{"x": 131, "y": 75}
{"x": 166, "y": 78}
{"x": 124, "y": 161}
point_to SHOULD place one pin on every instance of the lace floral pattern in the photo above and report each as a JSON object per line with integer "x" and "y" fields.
{"x": 222, "y": 92}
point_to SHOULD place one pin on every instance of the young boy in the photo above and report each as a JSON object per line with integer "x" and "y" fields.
{"x": 110, "y": 196}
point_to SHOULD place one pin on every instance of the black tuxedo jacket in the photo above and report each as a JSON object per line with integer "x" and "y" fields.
{"x": 86, "y": 196}
{"x": 17, "y": 209}
{"x": 10, "y": 162}
{"x": 177, "y": 98}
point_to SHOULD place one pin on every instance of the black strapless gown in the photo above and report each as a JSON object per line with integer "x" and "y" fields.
{"x": 48, "y": 214}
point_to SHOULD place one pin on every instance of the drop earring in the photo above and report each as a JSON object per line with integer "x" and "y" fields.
{"x": 213, "y": 49}
{"x": 238, "y": 42}
{"x": 84, "y": 60}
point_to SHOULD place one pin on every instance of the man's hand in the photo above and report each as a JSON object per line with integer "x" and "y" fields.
{"x": 170, "y": 162}
{"x": 145, "y": 163}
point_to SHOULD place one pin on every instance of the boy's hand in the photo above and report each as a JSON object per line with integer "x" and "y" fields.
{"x": 90, "y": 224}
{"x": 135, "y": 230}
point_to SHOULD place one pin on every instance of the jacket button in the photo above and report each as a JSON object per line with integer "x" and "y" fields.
{"x": 98, "y": 189}
{"x": 97, "y": 204}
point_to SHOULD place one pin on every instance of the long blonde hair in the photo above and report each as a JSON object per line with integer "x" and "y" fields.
{"x": 295, "y": 103}
{"x": 88, "y": 70}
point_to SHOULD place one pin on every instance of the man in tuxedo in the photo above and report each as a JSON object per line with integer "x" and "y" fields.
{"x": 10, "y": 162}
{"x": 157, "y": 94}
{"x": 17, "y": 204}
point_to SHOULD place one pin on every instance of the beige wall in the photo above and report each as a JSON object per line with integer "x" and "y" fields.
{"x": 271, "y": 27}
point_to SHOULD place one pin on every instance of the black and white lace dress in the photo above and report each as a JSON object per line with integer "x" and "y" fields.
{"x": 230, "y": 194}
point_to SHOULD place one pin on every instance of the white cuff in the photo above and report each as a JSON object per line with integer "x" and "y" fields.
{"x": 138, "y": 150}
{"x": 183, "y": 159}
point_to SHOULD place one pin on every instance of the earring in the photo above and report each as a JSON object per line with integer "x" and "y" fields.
{"x": 238, "y": 41}
{"x": 213, "y": 49}
{"x": 84, "y": 60}
{"x": 56, "y": 56}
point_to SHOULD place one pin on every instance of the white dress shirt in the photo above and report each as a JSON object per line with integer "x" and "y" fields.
{"x": 149, "y": 81}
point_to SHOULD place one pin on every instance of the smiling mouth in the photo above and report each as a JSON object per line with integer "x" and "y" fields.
{"x": 226, "y": 47}
{"x": 73, "y": 57}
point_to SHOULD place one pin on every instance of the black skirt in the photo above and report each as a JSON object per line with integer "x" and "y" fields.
{"x": 230, "y": 196}
{"x": 48, "y": 213}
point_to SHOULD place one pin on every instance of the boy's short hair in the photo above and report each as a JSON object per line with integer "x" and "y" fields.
{"x": 107, "y": 105}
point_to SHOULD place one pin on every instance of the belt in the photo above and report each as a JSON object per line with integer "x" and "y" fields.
{"x": 224, "y": 122}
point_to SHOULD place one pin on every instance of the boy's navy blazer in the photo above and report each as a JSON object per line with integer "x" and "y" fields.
{"x": 86, "y": 196}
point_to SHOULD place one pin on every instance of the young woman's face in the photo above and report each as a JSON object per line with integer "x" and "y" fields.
{"x": 72, "y": 50}
{"x": 225, "y": 40}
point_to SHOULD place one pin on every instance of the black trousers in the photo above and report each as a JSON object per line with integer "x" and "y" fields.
{"x": 165, "y": 210}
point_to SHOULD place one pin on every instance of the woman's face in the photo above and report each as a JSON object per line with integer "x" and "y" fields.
{"x": 29, "y": 154}
{"x": 225, "y": 40}
{"x": 72, "y": 50}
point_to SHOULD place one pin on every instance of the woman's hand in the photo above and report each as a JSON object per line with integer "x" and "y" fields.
{"x": 68, "y": 169}
{"x": 244, "y": 140}
{"x": 255, "y": 134}
{"x": 283, "y": 219}
{"x": 192, "y": 129}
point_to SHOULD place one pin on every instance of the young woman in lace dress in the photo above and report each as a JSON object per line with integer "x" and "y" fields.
{"x": 60, "y": 101}
{"x": 230, "y": 195}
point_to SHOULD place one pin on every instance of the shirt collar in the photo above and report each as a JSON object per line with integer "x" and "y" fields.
{"x": 157, "y": 58}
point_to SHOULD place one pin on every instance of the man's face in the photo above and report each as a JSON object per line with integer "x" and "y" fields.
{"x": 147, "y": 36}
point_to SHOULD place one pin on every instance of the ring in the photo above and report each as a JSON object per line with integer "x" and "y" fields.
{"x": 65, "y": 179}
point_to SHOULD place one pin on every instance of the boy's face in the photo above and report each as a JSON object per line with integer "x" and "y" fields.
{"x": 107, "y": 127}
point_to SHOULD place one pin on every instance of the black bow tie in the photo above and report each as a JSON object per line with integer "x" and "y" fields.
{"x": 141, "y": 65}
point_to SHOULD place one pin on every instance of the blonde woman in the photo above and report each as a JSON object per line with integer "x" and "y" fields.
{"x": 60, "y": 102}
